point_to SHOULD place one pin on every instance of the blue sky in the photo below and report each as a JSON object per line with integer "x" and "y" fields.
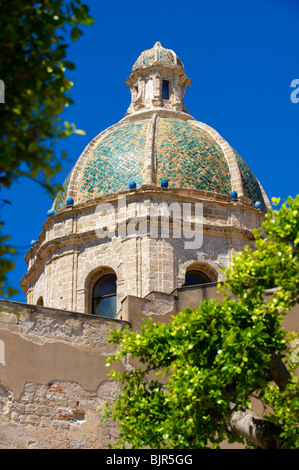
{"x": 241, "y": 58}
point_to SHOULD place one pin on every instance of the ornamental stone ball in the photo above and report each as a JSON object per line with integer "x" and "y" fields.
{"x": 50, "y": 213}
{"x": 132, "y": 185}
{"x": 69, "y": 201}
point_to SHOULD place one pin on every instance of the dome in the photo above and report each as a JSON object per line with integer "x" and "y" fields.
{"x": 206, "y": 203}
{"x": 156, "y": 55}
{"x": 157, "y": 141}
{"x": 186, "y": 154}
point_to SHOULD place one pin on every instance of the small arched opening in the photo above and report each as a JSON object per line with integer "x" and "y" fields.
{"x": 200, "y": 273}
{"x": 193, "y": 278}
{"x": 104, "y": 296}
{"x": 40, "y": 301}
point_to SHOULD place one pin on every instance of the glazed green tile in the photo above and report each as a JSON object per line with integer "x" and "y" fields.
{"x": 251, "y": 185}
{"x": 188, "y": 157}
{"x": 154, "y": 55}
{"x": 61, "y": 196}
{"x": 165, "y": 56}
{"x": 115, "y": 161}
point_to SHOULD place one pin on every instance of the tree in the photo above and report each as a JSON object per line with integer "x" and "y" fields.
{"x": 194, "y": 378}
{"x": 33, "y": 69}
{"x": 6, "y": 263}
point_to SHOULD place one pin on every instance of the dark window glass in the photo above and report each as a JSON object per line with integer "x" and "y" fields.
{"x": 165, "y": 90}
{"x": 104, "y": 296}
{"x": 195, "y": 277}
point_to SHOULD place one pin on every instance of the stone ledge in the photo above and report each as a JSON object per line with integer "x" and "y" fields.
{"x": 20, "y": 308}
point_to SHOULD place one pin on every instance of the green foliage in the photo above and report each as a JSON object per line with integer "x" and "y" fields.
{"x": 285, "y": 405}
{"x": 33, "y": 68}
{"x": 33, "y": 65}
{"x": 274, "y": 262}
{"x": 6, "y": 264}
{"x": 189, "y": 371}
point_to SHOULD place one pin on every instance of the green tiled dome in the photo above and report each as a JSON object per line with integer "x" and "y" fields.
{"x": 188, "y": 157}
{"x": 185, "y": 154}
{"x": 251, "y": 186}
{"x": 114, "y": 162}
{"x": 158, "y": 140}
{"x": 157, "y": 54}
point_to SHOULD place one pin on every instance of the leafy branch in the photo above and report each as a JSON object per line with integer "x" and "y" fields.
{"x": 210, "y": 361}
{"x": 33, "y": 66}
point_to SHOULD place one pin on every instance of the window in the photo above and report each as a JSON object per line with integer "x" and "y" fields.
{"x": 194, "y": 278}
{"x": 40, "y": 301}
{"x": 104, "y": 296}
{"x": 165, "y": 90}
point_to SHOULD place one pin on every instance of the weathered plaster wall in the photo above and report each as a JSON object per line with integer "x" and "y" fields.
{"x": 53, "y": 378}
{"x": 53, "y": 374}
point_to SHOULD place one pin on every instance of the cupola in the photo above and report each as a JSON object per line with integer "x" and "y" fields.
{"x": 158, "y": 80}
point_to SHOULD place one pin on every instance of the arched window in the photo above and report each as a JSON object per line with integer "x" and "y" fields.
{"x": 104, "y": 296}
{"x": 40, "y": 301}
{"x": 194, "y": 278}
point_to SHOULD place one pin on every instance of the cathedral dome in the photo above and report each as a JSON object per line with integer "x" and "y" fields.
{"x": 150, "y": 199}
{"x": 158, "y": 140}
{"x": 185, "y": 153}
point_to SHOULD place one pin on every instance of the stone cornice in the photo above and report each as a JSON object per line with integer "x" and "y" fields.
{"x": 42, "y": 251}
{"x": 162, "y": 112}
{"x": 47, "y": 249}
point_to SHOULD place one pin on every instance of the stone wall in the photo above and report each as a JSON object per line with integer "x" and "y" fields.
{"x": 53, "y": 374}
{"x": 53, "y": 378}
